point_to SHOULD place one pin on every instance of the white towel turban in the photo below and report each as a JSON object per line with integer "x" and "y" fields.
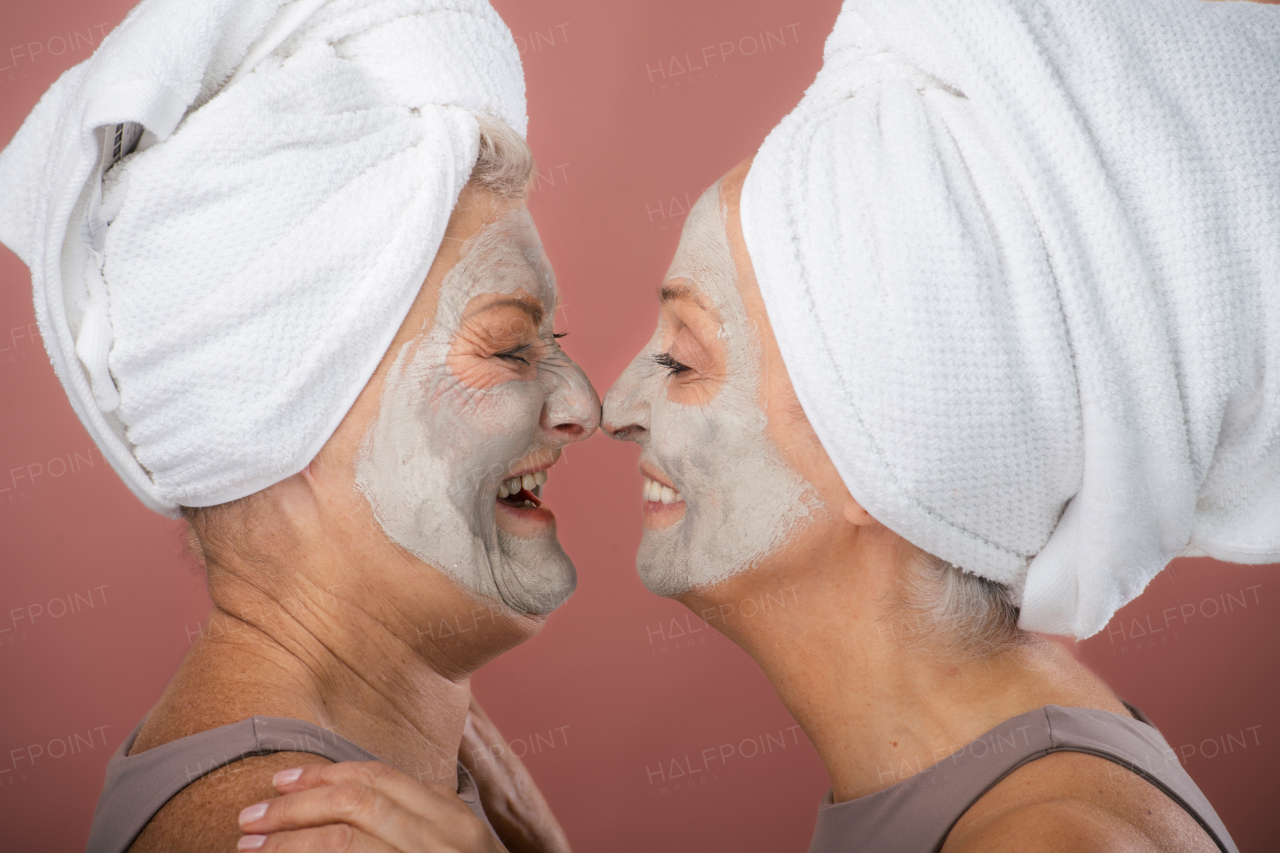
{"x": 298, "y": 169}
{"x": 1022, "y": 258}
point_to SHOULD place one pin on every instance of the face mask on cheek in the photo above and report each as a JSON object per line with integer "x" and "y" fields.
{"x": 431, "y": 463}
{"x": 742, "y": 500}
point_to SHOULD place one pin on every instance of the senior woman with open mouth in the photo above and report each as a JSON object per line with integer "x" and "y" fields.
{"x": 283, "y": 266}
{"x": 985, "y": 334}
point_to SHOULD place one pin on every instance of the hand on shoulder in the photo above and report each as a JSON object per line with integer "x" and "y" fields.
{"x": 363, "y": 806}
{"x": 202, "y": 817}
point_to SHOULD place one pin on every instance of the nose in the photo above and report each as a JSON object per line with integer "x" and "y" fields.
{"x": 626, "y": 411}
{"x": 572, "y": 409}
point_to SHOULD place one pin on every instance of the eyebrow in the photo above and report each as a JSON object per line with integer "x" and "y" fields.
{"x": 534, "y": 311}
{"x": 670, "y": 292}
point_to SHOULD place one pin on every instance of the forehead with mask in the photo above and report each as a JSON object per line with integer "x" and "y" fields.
{"x": 473, "y": 412}
{"x": 720, "y": 497}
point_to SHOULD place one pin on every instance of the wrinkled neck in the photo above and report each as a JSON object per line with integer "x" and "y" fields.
{"x": 338, "y": 627}
{"x": 878, "y": 707}
{"x": 318, "y": 656}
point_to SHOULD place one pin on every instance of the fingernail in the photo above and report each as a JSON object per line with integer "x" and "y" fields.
{"x": 251, "y": 842}
{"x": 285, "y": 777}
{"x": 251, "y": 814}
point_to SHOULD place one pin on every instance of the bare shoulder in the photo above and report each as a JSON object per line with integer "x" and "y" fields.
{"x": 1065, "y": 826}
{"x": 1072, "y": 801}
{"x": 202, "y": 816}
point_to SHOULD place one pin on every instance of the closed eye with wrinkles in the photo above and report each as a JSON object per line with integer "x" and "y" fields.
{"x": 673, "y": 367}
{"x": 513, "y": 354}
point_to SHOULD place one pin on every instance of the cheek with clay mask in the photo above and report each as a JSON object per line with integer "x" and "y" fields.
{"x": 722, "y": 498}
{"x": 454, "y": 463}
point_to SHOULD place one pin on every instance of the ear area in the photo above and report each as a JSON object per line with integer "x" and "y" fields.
{"x": 855, "y": 514}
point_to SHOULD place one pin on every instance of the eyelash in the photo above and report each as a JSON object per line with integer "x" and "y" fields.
{"x": 513, "y": 354}
{"x": 673, "y": 367}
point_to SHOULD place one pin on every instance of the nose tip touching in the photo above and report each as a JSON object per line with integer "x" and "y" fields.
{"x": 572, "y": 408}
{"x": 625, "y": 414}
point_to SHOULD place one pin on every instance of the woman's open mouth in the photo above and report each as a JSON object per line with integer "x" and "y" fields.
{"x": 520, "y": 509}
{"x": 524, "y": 491}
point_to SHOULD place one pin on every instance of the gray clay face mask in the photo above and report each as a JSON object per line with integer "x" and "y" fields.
{"x": 453, "y": 429}
{"x": 741, "y": 500}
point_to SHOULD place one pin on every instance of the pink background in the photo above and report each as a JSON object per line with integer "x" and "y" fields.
{"x": 637, "y": 106}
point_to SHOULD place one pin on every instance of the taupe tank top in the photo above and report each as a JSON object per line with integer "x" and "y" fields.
{"x": 915, "y": 815}
{"x": 138, "y": 786}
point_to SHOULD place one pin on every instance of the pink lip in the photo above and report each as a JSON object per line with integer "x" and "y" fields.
{"x": 658, "y": 515}
{"x": 524, "y": 521}
{"x": 537, "y": 513}
{"x": 646, "y": 471}
{"x": 528, "y": 511}
{"x": 533, "y": 469}
{"x": 524, "y": 471}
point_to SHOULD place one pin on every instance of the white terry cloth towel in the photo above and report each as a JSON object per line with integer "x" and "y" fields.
{"x": 216, "y": 301}
{"x": 1022, "y": 258}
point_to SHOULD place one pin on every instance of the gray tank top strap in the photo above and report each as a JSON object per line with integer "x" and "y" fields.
{"x": 138, "y": 786}
{"x": 916, "y": 814}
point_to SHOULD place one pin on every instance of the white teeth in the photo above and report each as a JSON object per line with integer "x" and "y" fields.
{"x": 655, "y": 492}
{"x": 513, "y": 486}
